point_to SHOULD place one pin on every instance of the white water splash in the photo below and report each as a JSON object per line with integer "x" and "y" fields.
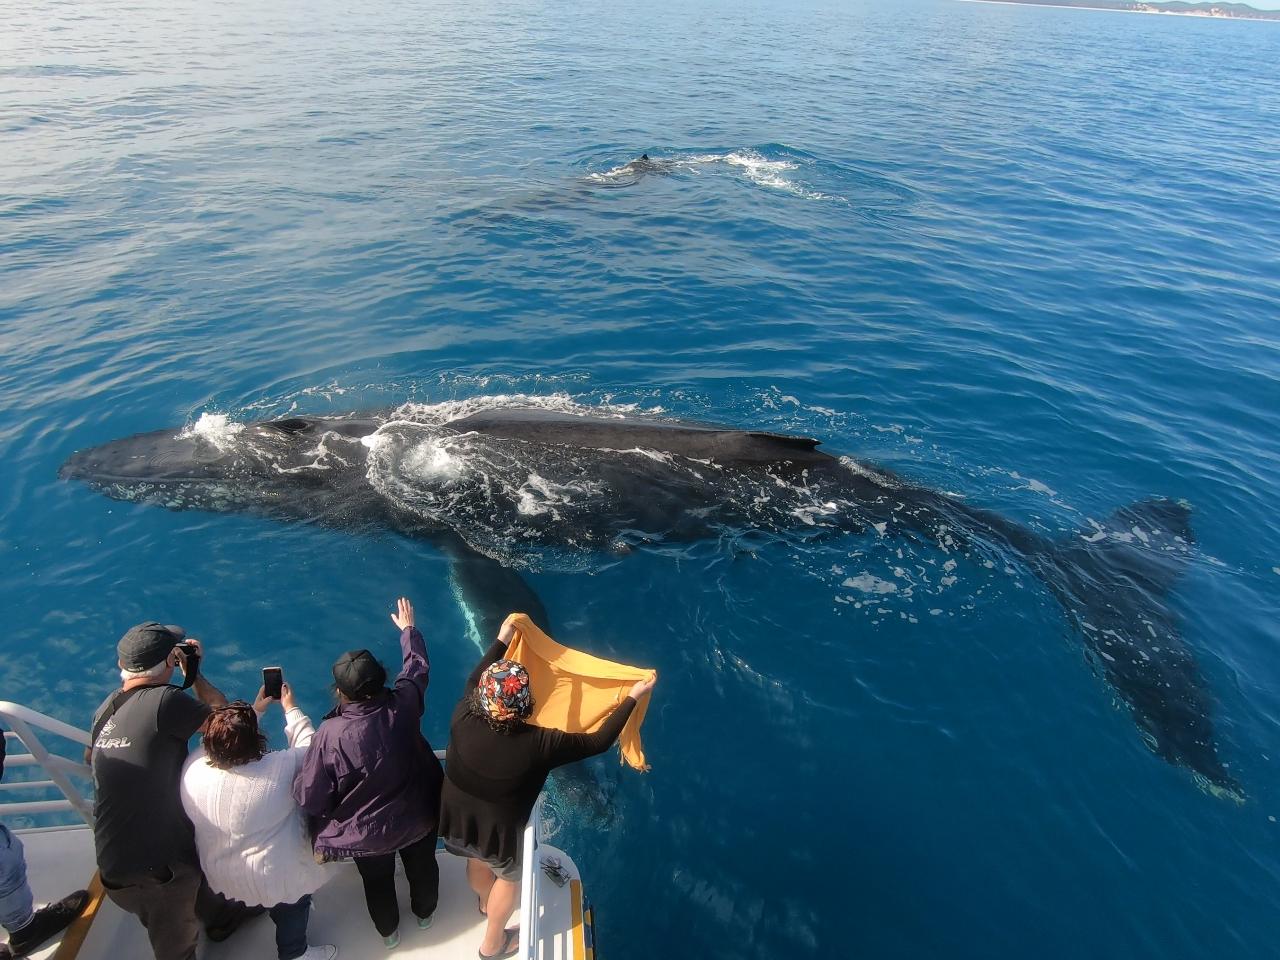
{"x": 750, "y": 164}
{"x": 434, "y": 458}
{"x": 1034, "y": 486}
{"x": 323, "y": 456}
{"x": 869, "y": 583}
{"x": 657, "y": 456}
{"x": 862, "y": 470}
{"x": 436, "y": 414}
{"x": 538, "y": 496}
{"x": 216, "y": 428}
{"x": 764, "y": 172}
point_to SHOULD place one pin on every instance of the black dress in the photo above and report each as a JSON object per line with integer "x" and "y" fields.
{"x": 492, "y": 780}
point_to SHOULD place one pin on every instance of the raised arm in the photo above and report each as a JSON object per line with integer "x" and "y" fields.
{"x": 415, "y": 671}
{"x": 298, "y": 730}
{"x": 560, "y": 748}
{"x": 491, "y": 656}
{"x": 204, "y": 691}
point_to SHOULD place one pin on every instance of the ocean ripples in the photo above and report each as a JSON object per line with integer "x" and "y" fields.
{"x": 1021, "y": 255}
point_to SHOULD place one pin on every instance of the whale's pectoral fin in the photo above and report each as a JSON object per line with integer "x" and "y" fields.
{"x": 1134, "y": 557}
{"x": 1114, "y": 581}
{"x": 487, "y": 591}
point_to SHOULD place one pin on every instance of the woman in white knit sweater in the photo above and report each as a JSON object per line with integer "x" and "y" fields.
{"x": 251, "y": 835}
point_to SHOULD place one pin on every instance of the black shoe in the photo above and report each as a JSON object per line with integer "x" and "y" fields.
{"x": 233, "y": 923}
{"x": 48, "y": 922}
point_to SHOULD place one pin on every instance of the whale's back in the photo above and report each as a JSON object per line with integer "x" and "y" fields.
{"x": 696, "y": 441}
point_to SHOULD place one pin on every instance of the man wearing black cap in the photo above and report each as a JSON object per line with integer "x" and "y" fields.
{"x": 145, "y": 844}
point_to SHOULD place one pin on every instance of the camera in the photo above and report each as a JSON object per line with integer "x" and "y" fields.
{"x": 190, "y": 663}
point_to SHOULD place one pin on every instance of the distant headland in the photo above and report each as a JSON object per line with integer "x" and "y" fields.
{"x": 1230, "y": 11}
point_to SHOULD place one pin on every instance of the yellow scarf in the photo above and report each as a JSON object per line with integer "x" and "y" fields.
{"x": 574, "y": 691}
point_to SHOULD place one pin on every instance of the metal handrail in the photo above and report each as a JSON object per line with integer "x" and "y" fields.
{"x": 23, "y": 722}
{"x": 528, "y": 885}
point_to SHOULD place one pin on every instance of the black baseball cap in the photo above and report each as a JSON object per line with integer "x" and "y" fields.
{"x": 359, "y": 675}
{"x": 145, "y": 645}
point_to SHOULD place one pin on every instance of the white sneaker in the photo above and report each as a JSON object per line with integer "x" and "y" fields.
{"x": 323, "y": 951}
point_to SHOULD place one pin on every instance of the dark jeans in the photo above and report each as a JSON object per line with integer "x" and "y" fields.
{"x": 291, "y": 927}
{"x": 379, "y": 876}
{"x": 172, "y": 904}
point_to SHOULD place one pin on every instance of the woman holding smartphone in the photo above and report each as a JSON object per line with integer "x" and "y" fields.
{"x": 250, "y": 834}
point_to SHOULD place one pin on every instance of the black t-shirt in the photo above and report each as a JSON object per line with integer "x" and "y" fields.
{"x": 139, "y": 823}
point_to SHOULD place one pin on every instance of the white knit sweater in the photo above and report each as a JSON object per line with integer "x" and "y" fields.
{"x": 251, "y": 836}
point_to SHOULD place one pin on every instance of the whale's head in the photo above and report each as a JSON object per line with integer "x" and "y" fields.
{"x": 217, "y": 464}
{"x": 162, "y": 456}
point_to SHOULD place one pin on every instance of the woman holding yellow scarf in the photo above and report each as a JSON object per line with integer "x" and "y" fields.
{"x": 496, "y": 766}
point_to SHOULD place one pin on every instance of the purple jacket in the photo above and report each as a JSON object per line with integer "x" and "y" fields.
{"x": 371, "y": 782}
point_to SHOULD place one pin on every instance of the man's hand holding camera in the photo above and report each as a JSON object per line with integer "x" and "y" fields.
{"x": 183, "y": 652}
{"x": 187, "y": 656}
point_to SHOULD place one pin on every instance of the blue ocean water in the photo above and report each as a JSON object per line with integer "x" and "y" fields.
{"x": 1029, "y": 256}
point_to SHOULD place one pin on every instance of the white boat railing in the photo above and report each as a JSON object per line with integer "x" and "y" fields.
{"x": 22, "y": 723}
{"x": 529, "y": 886}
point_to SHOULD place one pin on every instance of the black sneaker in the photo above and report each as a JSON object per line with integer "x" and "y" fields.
{"x": 48, "y": 922}
{"x": 232, "y": 920}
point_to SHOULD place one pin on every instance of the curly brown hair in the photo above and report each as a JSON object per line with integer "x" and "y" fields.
{"x": 232, "y": 737}
{"x": 475, "y": 705}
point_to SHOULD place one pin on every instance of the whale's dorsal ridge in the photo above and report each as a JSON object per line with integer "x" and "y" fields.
{"x": 291, "y": 425}
{"x": 787, "y": 439}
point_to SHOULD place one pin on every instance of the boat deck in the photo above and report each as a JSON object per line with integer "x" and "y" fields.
{"x": 61, "y": 861}
{"x": 556, "y": 920}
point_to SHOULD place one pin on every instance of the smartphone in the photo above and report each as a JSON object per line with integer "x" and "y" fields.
{"x": 273, "y": 681}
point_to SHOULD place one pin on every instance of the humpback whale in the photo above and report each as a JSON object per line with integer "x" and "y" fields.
{"x": 498, "y": 487}
{"x": 645, "y": 164}
{"x": 631, "y": 172}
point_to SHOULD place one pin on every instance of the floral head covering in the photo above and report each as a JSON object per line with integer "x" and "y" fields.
{"x": 504, "y": 692}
